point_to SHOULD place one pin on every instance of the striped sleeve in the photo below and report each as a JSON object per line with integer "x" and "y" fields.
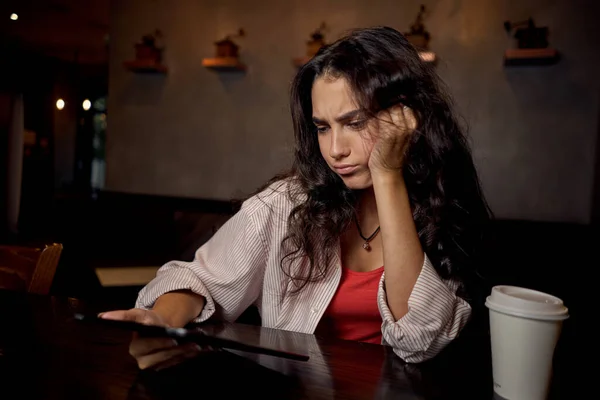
{"x": 435, "y": 317}
{"x": 227, "y": 271}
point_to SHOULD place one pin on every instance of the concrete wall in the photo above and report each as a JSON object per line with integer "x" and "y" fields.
{"x": 198, "y": 133}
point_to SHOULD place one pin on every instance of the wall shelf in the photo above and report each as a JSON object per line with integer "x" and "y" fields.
{"x": 145, "y": 66}
{"x": 224, "y": 64}
{"x": 520, "y": 57}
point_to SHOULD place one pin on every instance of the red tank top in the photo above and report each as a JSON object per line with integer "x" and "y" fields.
{"x": 353, "y": 313}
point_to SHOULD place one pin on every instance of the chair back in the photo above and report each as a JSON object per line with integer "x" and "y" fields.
{"x": 29, "y": 269}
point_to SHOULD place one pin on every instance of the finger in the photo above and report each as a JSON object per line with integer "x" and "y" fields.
{"x": 133, "y": 315}
{"x": 406, "y": 118}
{"x": 387, "y": 115}
{"x": 144, "y": 346}
{"x": 395, "y": 113}
{"x": 151, "y": 360}
{"x": 387, "y": 122}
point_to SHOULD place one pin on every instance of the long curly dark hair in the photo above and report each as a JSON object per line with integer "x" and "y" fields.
{"x": 383, "y": 69}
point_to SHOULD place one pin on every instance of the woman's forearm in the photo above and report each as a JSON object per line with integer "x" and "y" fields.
{"x": 402, "y": 253}
{"x": 179, "y": 307}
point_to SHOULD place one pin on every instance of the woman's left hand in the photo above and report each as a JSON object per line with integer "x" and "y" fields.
{"x": 391, "y": 135}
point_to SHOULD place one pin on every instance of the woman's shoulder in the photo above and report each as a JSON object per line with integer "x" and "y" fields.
{"x": 279, "y": 197}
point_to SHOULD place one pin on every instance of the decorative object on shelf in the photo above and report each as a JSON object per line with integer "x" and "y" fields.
{"x": 148, "y": 54}
{"x": 419, "y": 37}
{"x": 317, "y": 40}
{"x": 227, "y": 55}
{"x": 532, "y": 45}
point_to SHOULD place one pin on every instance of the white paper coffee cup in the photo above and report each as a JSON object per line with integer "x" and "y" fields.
{"x": 524, "y": 327}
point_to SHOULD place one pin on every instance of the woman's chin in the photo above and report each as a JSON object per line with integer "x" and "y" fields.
{"x": 357, "y": 181}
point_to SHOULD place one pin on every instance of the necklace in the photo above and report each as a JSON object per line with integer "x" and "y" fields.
{"x": 366, "y": 244}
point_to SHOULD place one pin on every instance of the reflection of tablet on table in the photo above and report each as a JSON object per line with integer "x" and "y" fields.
{"x": 196, "y": 335}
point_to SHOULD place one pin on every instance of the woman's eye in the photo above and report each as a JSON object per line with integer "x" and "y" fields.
{"x": 322, "y": 129}
{"x": 357, "y": 125}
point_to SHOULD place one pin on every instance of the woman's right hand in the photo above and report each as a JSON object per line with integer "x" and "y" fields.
{"x": 157, "y": 353}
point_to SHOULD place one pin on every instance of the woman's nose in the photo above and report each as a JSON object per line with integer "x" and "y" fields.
{"x": 339, "y": 147}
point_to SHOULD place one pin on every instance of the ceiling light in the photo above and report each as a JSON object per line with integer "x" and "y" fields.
{"x": 87, "y": 104}
{"x": 60, "y": 104}
{"x": 14, "y": 16}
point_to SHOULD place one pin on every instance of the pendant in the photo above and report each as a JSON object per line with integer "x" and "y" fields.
{"x": 367, "y": 246}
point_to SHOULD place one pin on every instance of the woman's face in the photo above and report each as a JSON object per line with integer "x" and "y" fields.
{"x": 342, "y": 131}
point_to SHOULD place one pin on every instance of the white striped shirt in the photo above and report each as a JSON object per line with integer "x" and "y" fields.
{"x": 240, "y": 266}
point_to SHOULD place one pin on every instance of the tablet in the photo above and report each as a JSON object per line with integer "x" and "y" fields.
{"x": 196, "y": 335}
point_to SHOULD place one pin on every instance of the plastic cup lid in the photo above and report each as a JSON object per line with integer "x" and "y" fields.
{"x": 526, "y": 303}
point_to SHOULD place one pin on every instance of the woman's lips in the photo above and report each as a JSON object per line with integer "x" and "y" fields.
{"x": 345, "y": 169}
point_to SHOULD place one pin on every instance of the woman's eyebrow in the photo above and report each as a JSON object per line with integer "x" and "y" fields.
{"x": 342, "y": 118}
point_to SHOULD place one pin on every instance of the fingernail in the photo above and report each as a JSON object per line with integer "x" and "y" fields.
{"x": 100, "y": 315}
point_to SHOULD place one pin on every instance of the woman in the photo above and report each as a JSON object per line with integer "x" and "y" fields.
{"x": 371, "y": 237}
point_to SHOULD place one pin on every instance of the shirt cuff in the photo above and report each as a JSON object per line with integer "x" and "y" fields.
{"x": 170, "y": 280}
{"x": 429, "y": 290}
{"x": 435, "y": 316}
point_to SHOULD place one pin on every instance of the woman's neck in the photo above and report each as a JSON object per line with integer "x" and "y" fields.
{"x": 366, "y": 211}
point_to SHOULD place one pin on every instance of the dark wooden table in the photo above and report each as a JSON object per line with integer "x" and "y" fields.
{"x": 45, "y": 353}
